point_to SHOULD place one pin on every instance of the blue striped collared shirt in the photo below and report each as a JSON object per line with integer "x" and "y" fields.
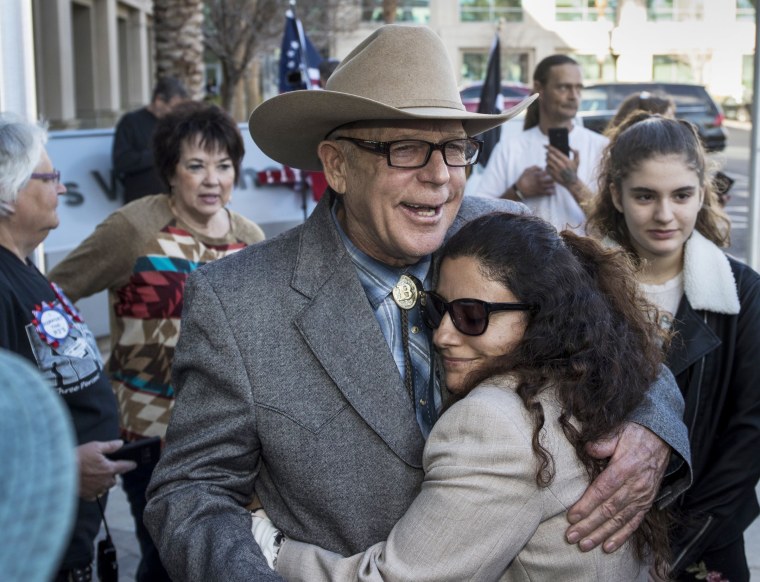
{"x": 378, "y": 280}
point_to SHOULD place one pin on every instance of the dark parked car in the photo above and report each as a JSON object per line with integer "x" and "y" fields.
{"x": 741, "y": 111}
{"x": 600, "y": 102}
{"x": 512, "y": 93}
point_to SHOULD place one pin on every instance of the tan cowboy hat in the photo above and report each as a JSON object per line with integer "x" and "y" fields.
{"x": 398, "y": 72}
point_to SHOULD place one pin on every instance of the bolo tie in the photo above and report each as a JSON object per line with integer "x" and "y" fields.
{"x": 406, "y": 293}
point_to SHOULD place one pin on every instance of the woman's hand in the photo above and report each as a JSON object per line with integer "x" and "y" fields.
{"x": 97, "y": 473}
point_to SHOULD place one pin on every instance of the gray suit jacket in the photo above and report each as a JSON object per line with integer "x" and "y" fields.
{"x": 284, "y": 382}
{"x": 480, "y": 515}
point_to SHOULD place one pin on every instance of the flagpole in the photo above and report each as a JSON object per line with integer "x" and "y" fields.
{"x": 300, "y": 185}
{"x": 302, "y": 41}
{"x": 491, "y": 100}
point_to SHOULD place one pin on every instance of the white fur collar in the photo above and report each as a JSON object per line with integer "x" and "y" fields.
{"x": 709, "y": 282}
{"x": 707, "y": 277}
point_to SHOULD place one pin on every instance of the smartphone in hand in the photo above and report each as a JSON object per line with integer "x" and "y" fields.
{"x": 142, "y": 452}
{"x": 558, "y": 138}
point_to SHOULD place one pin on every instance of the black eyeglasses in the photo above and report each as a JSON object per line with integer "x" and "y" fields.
{"x": 415, "y": 153}
{"x": 54, "y": 176}
{"x": 469, "y": 316}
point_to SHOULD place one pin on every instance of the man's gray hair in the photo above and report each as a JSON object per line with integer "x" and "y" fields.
{"x": 21, "y": 146}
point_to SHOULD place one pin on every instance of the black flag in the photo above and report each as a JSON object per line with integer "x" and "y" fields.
{"x": 490, "y": 101}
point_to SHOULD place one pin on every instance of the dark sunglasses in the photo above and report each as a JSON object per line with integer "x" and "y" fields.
{"x": 469, "y": 316}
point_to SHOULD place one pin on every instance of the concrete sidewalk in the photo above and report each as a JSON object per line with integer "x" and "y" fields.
{"x": 122, "y": 528}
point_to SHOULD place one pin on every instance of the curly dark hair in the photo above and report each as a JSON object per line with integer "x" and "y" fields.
{"x": 591, "y": 338}
{"x": 193, "y": 120}
{"x": 643, "y": 136}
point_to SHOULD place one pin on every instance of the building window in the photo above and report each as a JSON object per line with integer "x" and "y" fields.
{"x": 490, "y": 10}
{"x": 672, "y": 69}
{"x": 675, "y": 9}
{"x": 596, "y": 68}
{"x": 514, "y": 66}
{"x": 745, "y": 10}
{"x": 585, "y": 10}
{"x": 413, "y": 11}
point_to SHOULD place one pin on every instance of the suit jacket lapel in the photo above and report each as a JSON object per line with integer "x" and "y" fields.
{"x": 341, "y": 330}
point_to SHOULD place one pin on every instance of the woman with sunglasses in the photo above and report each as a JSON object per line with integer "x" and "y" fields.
{"x": 546, "y": 348}
{"x": 657, "y": 202}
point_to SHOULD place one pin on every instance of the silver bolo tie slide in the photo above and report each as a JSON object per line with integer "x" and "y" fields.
{"x": 408, "y": 291}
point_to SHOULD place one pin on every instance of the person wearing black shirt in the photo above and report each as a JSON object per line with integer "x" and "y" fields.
{"x": 132, "y": 153}
{"x": 38, "y": 322}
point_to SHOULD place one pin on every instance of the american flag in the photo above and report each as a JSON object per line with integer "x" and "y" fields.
{"x": 296, "y": 65}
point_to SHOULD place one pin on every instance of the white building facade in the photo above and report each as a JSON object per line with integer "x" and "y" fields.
{"x": 710, "y": 42}
{"x": 82, "y": 63}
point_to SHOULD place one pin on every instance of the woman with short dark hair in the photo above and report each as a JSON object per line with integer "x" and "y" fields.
{"x": 211, "y": 126}
{"x": 143, "y": 254}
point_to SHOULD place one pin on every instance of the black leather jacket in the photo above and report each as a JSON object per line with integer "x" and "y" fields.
{"x": 715, "y": 358}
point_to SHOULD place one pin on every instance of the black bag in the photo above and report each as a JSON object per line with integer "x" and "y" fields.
{"x": 107, "y": 564}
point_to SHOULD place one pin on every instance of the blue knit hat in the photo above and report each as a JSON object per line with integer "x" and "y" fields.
{"x": 38, "y": 479}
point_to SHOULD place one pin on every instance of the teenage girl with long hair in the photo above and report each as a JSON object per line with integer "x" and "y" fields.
{"x": 656, "y": 201}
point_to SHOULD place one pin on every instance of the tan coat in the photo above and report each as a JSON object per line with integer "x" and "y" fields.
{"x": 480, "y": 514}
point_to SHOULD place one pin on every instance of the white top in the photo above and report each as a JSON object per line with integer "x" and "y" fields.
{"x": 666, "y": 298}
{"x": 512, "y": 156}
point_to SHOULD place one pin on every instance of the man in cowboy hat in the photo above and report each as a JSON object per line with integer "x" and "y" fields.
{"x": 295, "y": 379}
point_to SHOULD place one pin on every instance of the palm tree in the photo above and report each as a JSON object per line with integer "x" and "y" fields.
{"x": 178, "y": 28}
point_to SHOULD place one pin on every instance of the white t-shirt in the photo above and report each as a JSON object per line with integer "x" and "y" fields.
{"x": 512, "y": 156}
{"x": 666, "y": 297}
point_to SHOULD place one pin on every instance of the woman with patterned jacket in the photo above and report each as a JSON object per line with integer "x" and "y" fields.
{"x": 143, "y": 254}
